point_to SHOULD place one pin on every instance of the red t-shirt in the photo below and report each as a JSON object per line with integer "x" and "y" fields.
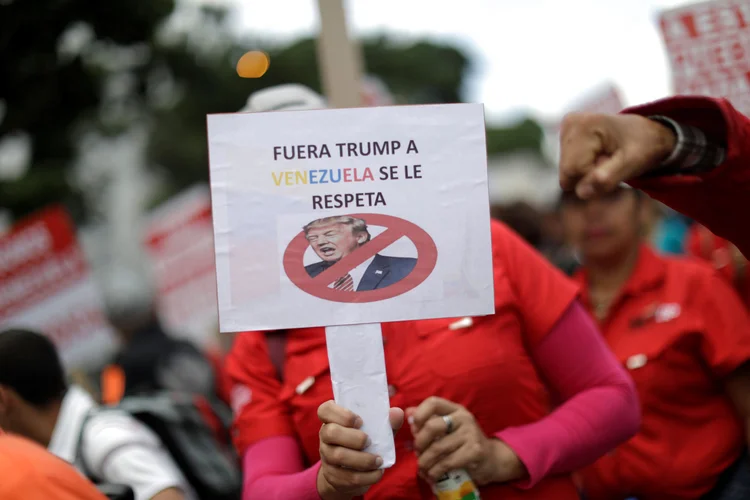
{"x": 723, "y": 256}
{"x": 679, "y": 329}
{"x": 486, "y": 367}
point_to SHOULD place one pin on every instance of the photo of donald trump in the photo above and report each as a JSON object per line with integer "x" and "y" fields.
{"x": 333, "y": 238}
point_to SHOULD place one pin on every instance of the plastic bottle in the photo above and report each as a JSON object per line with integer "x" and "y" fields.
{"x": 456, "y": 485}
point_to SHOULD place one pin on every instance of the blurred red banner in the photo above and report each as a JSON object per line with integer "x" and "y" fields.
{"x": 708, "y": 45}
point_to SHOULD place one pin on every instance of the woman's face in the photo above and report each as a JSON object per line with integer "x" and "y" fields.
{"x": 605, "y": 227}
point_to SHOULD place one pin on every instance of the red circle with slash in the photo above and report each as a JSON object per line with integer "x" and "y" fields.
{"x": 396, "y": 228}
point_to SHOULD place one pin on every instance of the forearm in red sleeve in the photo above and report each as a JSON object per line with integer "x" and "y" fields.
{"x": 599, "y": 407}
{"x": 273, "y": 470}
{"x": 716, "y": 198}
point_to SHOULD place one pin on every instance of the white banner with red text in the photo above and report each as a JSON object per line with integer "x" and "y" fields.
{"x": 48, "y": 287}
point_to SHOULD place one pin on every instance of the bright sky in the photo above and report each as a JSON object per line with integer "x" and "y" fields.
{"x": 537, "y": 55}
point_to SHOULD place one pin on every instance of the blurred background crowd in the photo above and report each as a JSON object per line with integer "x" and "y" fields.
{"x": 102, "y": 113}
{"x": 105, "y": 225}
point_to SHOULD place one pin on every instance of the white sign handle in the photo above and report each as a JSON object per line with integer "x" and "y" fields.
{"x": 357, "y": 361}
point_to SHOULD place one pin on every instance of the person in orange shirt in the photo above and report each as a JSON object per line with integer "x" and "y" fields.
{"x": 32, "y": 473}
{"x": 684, "y": 335}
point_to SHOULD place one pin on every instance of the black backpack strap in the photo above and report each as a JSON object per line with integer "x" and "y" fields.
{"x": 733, "y": 483}
{"x": 276, "y": 343}
{"x": 79, "y": 455}
{"x": 116, "y": 491}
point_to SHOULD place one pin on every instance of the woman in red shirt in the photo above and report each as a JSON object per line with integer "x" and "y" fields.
{"x": 683, "y": 334}
{"x": 496, "y": 379}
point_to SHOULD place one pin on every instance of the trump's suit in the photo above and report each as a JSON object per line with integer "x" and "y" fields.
{"x": 383, "y": 271}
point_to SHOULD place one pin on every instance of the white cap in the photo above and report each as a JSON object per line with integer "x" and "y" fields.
{"x": 287, "y": 97}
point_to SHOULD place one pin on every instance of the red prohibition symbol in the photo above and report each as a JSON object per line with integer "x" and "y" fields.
{"x": 396, "y": 228}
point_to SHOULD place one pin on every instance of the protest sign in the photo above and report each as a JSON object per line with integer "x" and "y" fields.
{"x": 180, "y": 244}
{"x": 708, "y": 45}
{"x": 47, "y": 286}
{"x": 350, "y": 216}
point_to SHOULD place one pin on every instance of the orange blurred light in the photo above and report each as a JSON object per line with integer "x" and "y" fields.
{"x": 253, "y": 64}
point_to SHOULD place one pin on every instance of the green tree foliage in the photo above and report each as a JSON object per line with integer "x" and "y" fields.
{"x": 47, "y": 96}
{"x": 418, "y": 72}
{"x": 525, "y": 135}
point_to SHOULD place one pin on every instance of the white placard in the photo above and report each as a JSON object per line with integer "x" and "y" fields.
{"x": 416, "y": 176}
{"x": 357, "y": 363}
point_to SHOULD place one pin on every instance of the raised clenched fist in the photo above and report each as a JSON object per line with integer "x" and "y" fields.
{"x": 598, "y": 152}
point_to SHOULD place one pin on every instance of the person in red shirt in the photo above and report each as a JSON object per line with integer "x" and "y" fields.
{"x": 723, "y": 255}
{"x": 519, "y": 398}
{"x": 691, "y": 153}
{"x": 683, "y": 334}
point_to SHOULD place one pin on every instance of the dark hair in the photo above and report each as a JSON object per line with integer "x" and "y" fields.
{"x": 571, "y": 197}
{"x": 522, "y": 218}
{"x": 30, "y": 365}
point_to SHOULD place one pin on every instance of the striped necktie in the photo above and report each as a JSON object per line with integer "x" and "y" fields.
{"x": 344, "y": 283}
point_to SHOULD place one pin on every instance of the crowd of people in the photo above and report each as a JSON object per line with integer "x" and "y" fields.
{"x": 609, "y": 369}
